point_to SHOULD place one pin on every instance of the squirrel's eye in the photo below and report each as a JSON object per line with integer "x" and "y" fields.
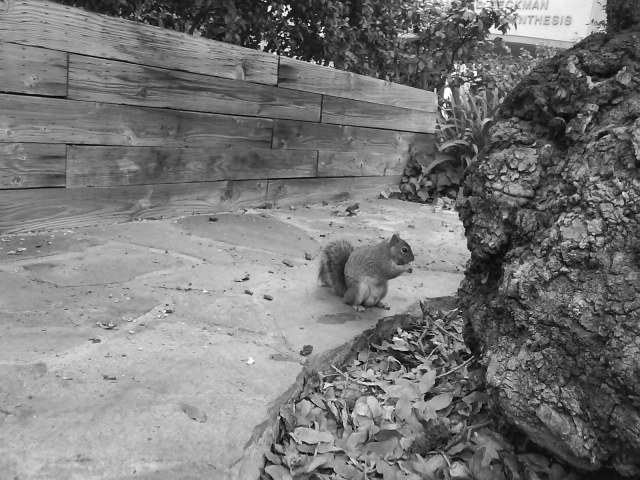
{"x": 404, "y": 249}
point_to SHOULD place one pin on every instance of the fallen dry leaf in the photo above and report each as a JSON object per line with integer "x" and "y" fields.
{"x": 194, "y": 412}
{"x": 107, "y": 326}
{"x": 306, "y": 350}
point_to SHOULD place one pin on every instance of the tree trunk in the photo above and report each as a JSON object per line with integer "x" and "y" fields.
{"x": 552, "y": 217}
{"x": 622, "y": 14}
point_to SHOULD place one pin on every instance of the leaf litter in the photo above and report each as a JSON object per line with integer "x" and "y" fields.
{"x": 410, "y": 407}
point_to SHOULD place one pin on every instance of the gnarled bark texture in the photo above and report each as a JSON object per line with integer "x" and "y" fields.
{"x": 622, "y": 14}
{"x": 552, "y": 290}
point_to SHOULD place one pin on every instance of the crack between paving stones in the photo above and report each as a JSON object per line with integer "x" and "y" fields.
{"x": 33, "y": 278}
{"x": 216, "y": 243}
{"x": 237, "y": 329}
{"x": 184, "y": 256}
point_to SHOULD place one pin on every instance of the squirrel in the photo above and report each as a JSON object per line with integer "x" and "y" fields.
{"x": 360, "y": 275}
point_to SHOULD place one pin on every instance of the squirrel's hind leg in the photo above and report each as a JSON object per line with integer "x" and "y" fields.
{"x": 366, "y": 293}
{"x": 355, "y": 296}
{"x": 382, "y": 292}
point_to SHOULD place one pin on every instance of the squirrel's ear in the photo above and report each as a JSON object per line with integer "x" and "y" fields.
{"x": 395, "y": 239}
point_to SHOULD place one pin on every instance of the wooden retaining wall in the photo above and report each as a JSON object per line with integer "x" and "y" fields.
{"x": 103, "y": 119}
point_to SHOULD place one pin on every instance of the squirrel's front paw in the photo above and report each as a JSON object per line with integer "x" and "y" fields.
{"x": 383, "y": 306}
{"x": 358, "y": 308}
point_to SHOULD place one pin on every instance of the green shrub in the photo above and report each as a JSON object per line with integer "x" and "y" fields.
{"x": 463, "y": 126}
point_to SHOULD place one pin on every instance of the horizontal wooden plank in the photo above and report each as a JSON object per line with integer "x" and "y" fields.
{"x": 30, "y": 165}
{"x": 111, "y": 166}
{"x": 341, "y": 111}
{"x": 53, "y": 120}
{"x": 288, "y": 134}
{"x": 55, "y": 208}
{"x": 111, "y": 81}
{"x": 48, "y": 24}
{"x": 361, "y": 164}
{"x": 32, "y": 71}
{"x": 309, "y": 77}
{"x": 282, "y": 193}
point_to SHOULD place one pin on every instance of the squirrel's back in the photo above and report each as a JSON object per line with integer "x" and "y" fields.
{"x": 381, "y": 261}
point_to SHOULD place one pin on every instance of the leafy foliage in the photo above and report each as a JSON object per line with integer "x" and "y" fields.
{"x": 463, "y": 125}
{"x": 411, "y": 408}
{"x": 406, "y": 41}
{"x": 409, "y": 42}
{"x": 425, "y": 179}
{"x": 447, "y": 35}
{"x": 242, "y": 22}
{"x": 497, "y": 69}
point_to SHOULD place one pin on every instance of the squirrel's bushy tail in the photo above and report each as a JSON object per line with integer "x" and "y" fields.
{"x": 333, "y": 259}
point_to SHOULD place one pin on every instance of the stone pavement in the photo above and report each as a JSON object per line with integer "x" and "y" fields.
{"x": 158, "y": 349}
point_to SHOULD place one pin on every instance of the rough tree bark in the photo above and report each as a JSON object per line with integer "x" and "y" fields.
{"x": 622, "y": 14}
{"x": 552, "y": 217}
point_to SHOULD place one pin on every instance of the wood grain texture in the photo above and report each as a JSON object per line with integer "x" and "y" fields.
{"x": 282, "y": 193}
{"x": 309, "y": 77}
{"x": 47, "y": 24}
{"x": 53, "y": 120}
{"x": 32, "y": 71}
{"x": 361, "y": 164}
{"x": 288, "y": 134}
{"x": 341, "y": 111}
{"x": 30, "y": 165}
{"x": 111, "y": 166}
{"x": 55, "y": 208}
{"x": 111, "y": 81}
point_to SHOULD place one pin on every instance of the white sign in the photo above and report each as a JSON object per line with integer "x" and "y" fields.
{"x": 559, "y": 20}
